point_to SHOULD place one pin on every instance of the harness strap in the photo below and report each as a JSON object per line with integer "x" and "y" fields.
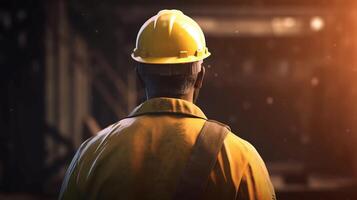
{"x": 202, "y": 160}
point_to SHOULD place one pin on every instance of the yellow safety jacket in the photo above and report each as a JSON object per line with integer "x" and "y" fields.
{"x": 142, "y": 157}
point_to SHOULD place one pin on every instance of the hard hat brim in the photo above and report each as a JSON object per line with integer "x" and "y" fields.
{"x": 169, "y": 60}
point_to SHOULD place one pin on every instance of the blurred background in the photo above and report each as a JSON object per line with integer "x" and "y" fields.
{"x": 283, "y": 75}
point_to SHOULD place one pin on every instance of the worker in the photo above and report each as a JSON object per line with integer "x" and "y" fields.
{"x": 167, "y": 148}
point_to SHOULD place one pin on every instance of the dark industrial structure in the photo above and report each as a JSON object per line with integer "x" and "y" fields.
{"x": 282, "y": 75}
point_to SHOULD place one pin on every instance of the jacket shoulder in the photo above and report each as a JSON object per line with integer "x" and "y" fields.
{"x": 104, "y": 134}
{"x": 220, "y": 123}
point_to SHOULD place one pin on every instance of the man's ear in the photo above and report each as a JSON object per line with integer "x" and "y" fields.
{"x": 140, "y": 80}
{"x": 200, "y": 76}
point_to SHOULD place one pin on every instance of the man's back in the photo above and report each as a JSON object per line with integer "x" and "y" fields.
{"x": 143, "y": 156}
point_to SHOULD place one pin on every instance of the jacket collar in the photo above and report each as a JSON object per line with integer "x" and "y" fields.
{"x": 164, "y": 105}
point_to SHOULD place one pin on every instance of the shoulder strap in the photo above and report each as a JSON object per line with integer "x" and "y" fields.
{"x": 202, "y": 160}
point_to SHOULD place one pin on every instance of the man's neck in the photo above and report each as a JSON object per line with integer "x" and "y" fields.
{"x": 187, "y": 97}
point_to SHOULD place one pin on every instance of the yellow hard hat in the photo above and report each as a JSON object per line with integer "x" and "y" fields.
{"x": 170, "y": 37}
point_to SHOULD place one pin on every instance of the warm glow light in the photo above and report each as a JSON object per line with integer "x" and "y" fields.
{"x": 286, "y": 26}
{"x": 254, "y": 26}
{"x": 317, "y": 23}
{"x": 289, "y": 22}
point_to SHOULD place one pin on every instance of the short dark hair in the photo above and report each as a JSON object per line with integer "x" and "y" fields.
{"x": 167, "y": 84}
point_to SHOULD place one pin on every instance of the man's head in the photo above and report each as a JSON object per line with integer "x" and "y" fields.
{"x": 170, "y": 47}
{"x": 171, "y": 84}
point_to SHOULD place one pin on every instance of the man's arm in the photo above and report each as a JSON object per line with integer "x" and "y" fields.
{"x": 69, "y": 189}
{"x": 255, "y": 183}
